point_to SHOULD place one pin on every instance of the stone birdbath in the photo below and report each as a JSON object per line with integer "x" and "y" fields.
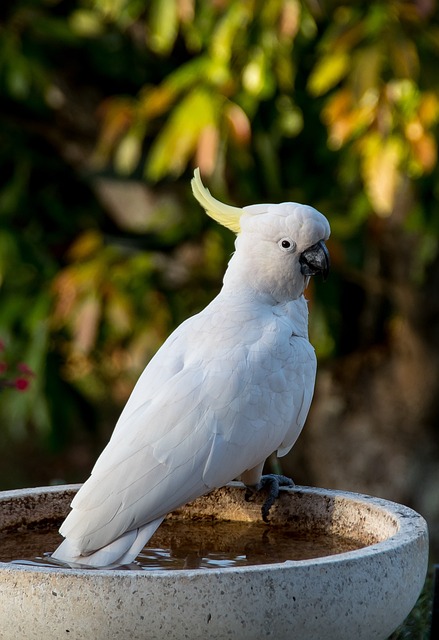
{"x": 361, "y": 593}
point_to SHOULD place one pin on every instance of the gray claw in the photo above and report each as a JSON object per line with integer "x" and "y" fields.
{"x": 272, "y": 482}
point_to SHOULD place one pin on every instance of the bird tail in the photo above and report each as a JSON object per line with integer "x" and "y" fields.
{"x": 120, "y": 552}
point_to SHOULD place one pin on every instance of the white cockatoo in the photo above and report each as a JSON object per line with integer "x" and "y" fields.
{"x": 230, "y": 386}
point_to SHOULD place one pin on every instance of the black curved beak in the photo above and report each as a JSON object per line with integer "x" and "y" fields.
{"x": 315, "y": 260}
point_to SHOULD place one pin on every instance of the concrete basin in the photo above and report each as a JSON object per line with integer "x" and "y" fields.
{"x": 361, "y": 594}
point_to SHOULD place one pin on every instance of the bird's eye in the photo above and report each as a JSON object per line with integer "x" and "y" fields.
{"x": 286, "y": 244}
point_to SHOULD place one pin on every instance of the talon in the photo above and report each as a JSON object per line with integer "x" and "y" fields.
{"x": 273, "y": 482}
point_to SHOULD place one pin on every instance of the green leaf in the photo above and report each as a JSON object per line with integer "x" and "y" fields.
{"x": 19, "y": 78}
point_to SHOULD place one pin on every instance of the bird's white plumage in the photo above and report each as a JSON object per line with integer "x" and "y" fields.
{"x": 229, "y": 386}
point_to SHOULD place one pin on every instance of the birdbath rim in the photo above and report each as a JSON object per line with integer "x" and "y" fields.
{"x": 403, "y": 526}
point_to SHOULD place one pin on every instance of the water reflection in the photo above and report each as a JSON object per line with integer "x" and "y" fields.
{"x": 180, "y": 544}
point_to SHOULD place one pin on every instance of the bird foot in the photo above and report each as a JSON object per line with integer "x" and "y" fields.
{"x": 271, "y": 482}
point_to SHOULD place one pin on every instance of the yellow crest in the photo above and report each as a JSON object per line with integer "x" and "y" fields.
{"x": 225, "y": 214}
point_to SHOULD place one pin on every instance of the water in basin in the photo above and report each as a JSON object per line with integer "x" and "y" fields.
{"x": 188, "y": 544}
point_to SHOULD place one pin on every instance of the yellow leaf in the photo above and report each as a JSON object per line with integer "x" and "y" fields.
{"x": 380, "y": 168}
{"x": 425, "y": 152}
{"x": 86, "y": 23}
{"x": 163, "y": 24}
{"x": 232, "y": 24}
{"x": 346, "y": 118}
{"x": 153, "y": 102}
{"x": 116, "y": 115}
{"x": 85, "y": 246}
{"x": 179, "y": 137}
{"x": 429, "y": 109}
{"x": 128, "y": 153}
{"x": 257, "y": 77}
{"x": 328, "y": 72}
{"x": 340, "y": 104}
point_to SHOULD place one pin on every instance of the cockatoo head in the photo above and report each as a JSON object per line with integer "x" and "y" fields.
{"x": 278, "y": 247}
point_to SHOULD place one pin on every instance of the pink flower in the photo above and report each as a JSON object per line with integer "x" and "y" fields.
{"x": 21, "y": 384}
{"x": 12, "y": 375}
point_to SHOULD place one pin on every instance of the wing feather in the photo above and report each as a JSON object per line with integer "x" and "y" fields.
{"x": 201, "y": 414}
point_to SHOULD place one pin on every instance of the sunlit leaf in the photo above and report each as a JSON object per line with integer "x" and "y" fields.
{"x": 154, "y": 101}
{"x": 253, "y": 74}
{"x": 178, "y": 139}
{"x": 346, "y": 118}
{"x": 163, "y": 25}
{"x": 86, "y": 245}
{"x": 381, "y": 171}
{"x": 117, "y": 115}
{"x": 424, "y": 151}
{"x": 239, "y": 124}
{"x": 328, "y": 72}
{"x": 289, "y": 23}
{"x": 229, "y": 27}
{"x": 429, "y": 108}
{"x": 122, "y": 12}
{"x": 128, "y": 152}
{"x": 86, "y": 23}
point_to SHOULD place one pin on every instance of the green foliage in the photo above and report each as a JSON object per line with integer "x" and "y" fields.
{"x": 243, "y": 56}
{"x": 332, "y": 103}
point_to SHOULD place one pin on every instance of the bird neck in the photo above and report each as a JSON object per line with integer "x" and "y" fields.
{"x": 297, "y": 313}
{"x": 294, "y": 311}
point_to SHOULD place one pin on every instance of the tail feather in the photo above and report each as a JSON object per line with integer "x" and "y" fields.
{"x": 121, "y": 551}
